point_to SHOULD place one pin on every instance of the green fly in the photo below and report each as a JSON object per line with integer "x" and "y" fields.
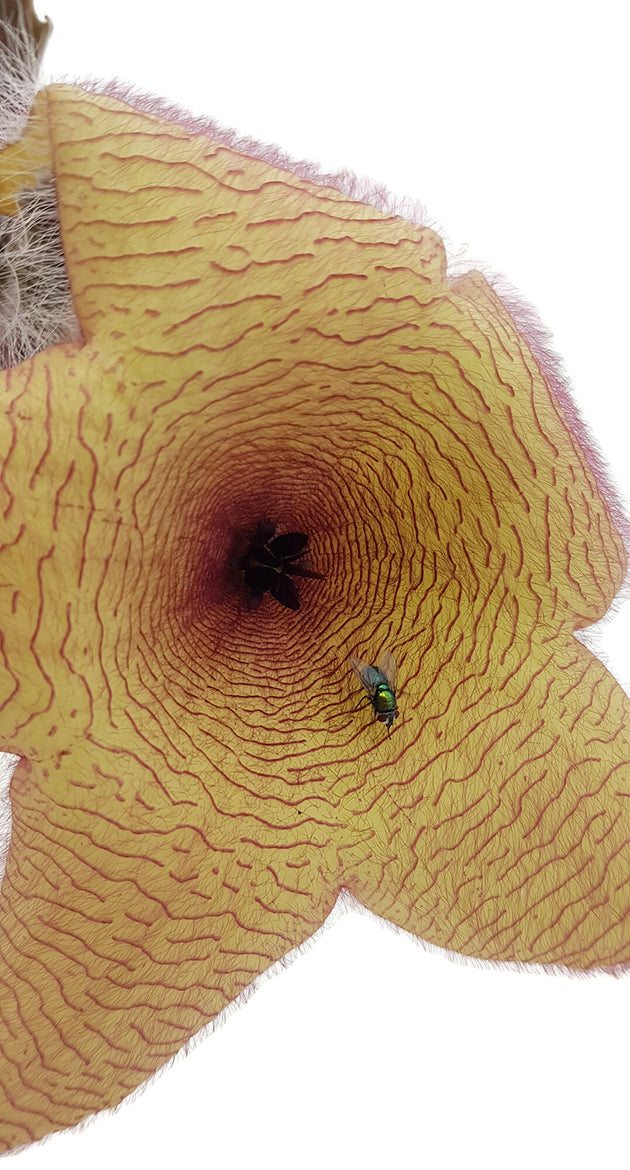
{"x": 380, "y": 683}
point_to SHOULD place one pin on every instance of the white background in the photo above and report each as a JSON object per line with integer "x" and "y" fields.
{"x": 509, "y": 123}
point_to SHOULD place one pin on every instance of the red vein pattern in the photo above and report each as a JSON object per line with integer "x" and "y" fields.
{"x": 196, "y": 784}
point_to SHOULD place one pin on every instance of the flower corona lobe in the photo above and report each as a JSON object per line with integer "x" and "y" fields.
{"x": 196, "y": 784}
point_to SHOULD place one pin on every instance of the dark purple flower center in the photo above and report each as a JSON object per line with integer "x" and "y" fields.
{"x": 271, "y": 561}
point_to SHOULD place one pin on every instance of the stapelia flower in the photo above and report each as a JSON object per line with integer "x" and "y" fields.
{"x": 195, "y": 784}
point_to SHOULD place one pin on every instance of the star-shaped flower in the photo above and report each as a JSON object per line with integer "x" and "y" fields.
{"x": 270, "y": 561}
{"x": 196, "y": 786}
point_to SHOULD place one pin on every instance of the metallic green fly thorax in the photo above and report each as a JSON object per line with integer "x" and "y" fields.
{"x": 385, "y": 700}
{"x": 379, "y": 683}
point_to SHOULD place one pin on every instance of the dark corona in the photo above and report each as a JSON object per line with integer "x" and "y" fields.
{"x": 270, "y": 563}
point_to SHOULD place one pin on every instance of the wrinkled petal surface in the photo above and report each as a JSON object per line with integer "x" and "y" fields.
{"x": 196, "y": 784}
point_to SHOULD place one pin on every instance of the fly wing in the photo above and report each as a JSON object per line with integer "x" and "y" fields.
{"x": 359, "y": 667}
{"x": 387, "y": 664}
{"x": 368, "y": 676}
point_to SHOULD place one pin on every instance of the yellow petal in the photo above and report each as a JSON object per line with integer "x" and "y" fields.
{"x": 509, "y": 841}
{"x": 198, "y": 785}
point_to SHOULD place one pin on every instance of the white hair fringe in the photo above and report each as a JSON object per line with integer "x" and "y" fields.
{"x": 36, "y": 309}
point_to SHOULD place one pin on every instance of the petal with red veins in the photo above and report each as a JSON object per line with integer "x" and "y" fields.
{"x": 263, "y": 353}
